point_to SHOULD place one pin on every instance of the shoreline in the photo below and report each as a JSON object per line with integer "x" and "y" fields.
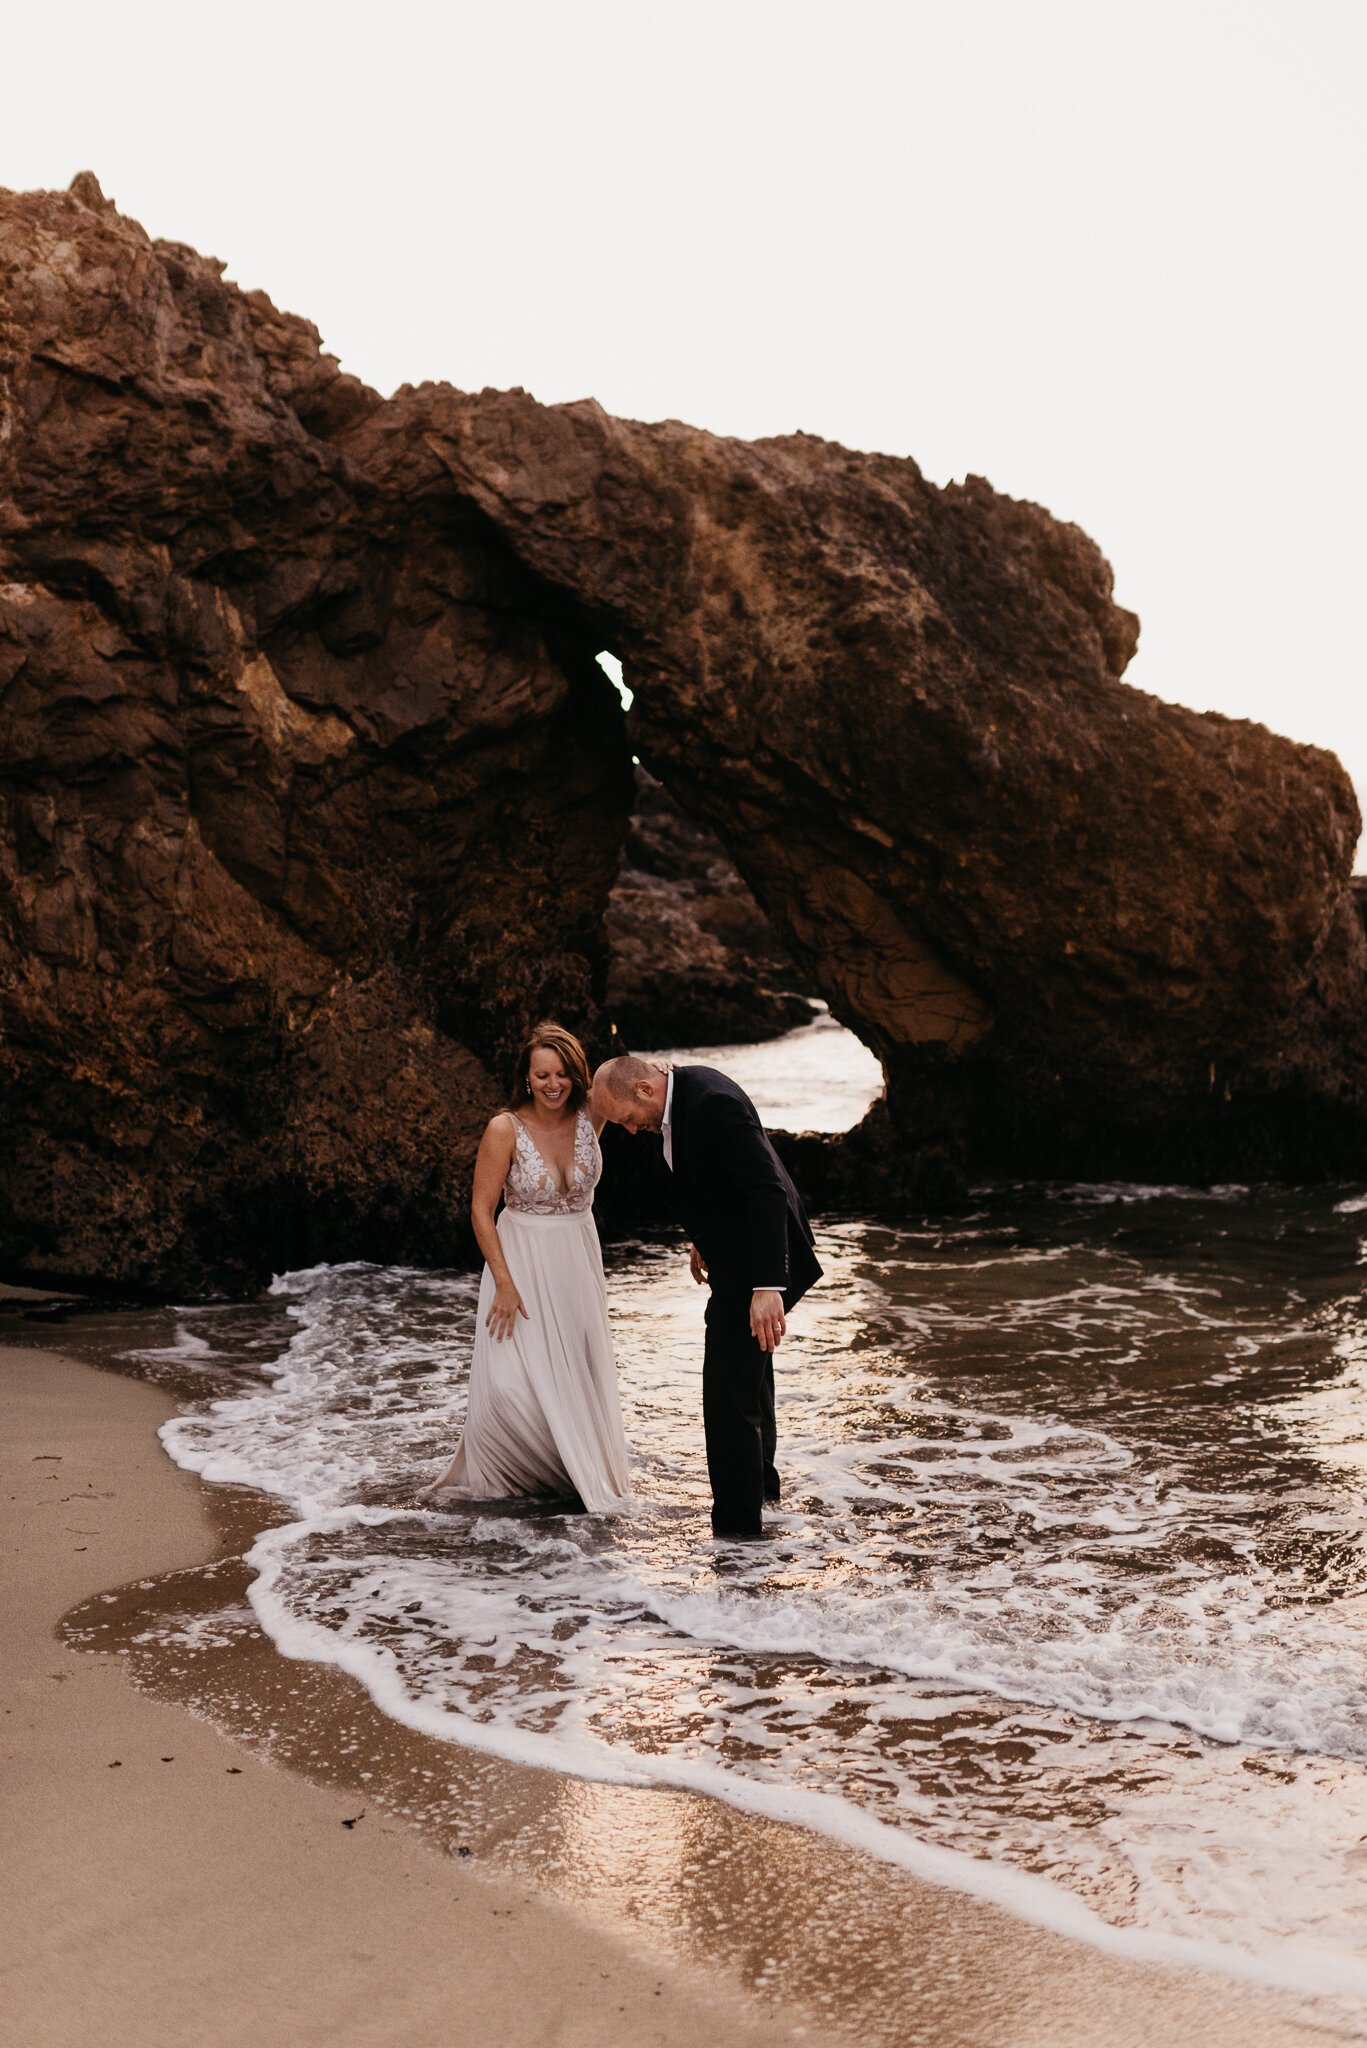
{"x": 755, "y": 1924}
{"x": 162, "y": 1884}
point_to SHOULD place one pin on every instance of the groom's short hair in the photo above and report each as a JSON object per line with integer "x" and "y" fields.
{"x": 618, "y": 1077}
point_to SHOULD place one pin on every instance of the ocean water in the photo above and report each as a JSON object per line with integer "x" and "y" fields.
{"x": 1068, "y": 1600}
{"x": 817, "y": 1078}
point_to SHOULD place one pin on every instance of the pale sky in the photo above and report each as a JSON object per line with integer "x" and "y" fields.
{"x": 1106, "y": 253}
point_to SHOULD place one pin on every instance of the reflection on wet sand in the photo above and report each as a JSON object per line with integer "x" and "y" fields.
{"x": 866, "y": 1948}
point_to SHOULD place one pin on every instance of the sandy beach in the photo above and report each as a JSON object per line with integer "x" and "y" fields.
{"x": 163, "y": 1886}
{"x": 166, "y": 1884}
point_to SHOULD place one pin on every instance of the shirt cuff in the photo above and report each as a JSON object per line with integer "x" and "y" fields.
{"x": 766, "y": 1290}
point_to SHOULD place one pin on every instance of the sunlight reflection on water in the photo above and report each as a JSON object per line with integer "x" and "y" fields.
{"x": 817, "y": 1078}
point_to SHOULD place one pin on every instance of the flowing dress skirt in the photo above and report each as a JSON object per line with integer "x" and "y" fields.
{"x": 544, "y": 1414}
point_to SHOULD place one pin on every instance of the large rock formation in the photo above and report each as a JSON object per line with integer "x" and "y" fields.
{"x": 312, "y": 792}
{"x": 1083, "y": 928}
{"x": 304, "y": 810}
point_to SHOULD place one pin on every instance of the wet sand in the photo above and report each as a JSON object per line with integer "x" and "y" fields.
{"x": 165, "y": 1882}
{"x": 162, "y": 1885}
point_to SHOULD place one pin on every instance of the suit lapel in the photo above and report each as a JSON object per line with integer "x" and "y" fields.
{"x": 680, "y": 1120}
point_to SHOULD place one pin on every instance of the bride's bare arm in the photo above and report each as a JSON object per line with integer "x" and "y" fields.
{"x": 491, "y": 1170}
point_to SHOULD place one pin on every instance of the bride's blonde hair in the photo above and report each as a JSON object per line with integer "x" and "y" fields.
{"x": 554, "y": 1038}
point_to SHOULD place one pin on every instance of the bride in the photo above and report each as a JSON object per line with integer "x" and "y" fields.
{"x": 543, "y": 1415}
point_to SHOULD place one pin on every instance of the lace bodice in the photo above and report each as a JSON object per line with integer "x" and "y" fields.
{"x": 531, "y": 1185}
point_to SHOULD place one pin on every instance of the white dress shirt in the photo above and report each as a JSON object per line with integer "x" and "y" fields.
{"x": 667, "y": 1143}
{"x": 666, "y": 1123}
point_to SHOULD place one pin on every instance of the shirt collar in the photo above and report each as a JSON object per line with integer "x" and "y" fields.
{"x": 667, "y": 1119}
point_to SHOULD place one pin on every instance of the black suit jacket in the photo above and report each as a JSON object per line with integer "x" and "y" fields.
{"x": 732, "y": 1193}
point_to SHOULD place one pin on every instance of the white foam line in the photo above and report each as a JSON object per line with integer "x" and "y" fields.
{"x": 1036, "y": 1900}
{"x": 784, "y": 1633}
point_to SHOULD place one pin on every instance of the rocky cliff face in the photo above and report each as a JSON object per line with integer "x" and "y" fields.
{"x": 305, "y": 811}
{"x": 312, "y": 793}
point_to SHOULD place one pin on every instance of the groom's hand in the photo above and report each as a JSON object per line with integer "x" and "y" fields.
{"x": 766, "y": 1318}
{"x": 697, "y": 1265}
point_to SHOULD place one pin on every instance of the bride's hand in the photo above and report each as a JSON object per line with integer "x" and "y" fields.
{"x": 507, "y": 1307}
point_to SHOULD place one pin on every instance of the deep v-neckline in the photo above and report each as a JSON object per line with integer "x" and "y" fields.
{"x": 562, "y": 1191}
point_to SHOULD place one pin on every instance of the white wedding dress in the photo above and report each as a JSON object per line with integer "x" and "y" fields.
{"x": 544, "y": 1415}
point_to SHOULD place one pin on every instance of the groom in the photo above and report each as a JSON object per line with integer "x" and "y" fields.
{"x": 751, "y": 1243}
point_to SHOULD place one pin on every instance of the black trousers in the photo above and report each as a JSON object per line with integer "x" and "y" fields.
{"x": 738, "y": 1418}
